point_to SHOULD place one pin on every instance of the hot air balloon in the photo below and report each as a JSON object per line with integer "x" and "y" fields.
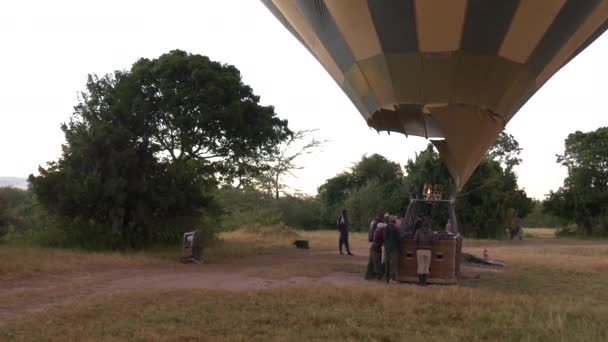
{"x": 452, "y": 71}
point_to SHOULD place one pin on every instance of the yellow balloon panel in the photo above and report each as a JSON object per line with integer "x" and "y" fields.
{"x": 443, "y": 68}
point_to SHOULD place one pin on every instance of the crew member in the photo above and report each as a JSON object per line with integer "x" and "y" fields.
{"x": 343, "y": 226}
{"x": 376, "y": 249}
{"x": 392, "y": 239}
{"x": 424, "y": 244}
{"x": 373, "y": 225}
{"x": 370, "y": 273}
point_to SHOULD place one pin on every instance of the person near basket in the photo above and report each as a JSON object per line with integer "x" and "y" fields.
{"x": 376, "y": 248}
{"x": 424, "y": 244}
{"x": 392, "y": 239}
{"x": 370, "y": 272}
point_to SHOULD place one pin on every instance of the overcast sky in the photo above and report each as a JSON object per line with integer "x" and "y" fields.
{"x": 47, "y": 48}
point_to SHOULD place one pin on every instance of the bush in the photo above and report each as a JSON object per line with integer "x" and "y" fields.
{"x": 277, "y": 231}
{"x": 570, "y": 230}
{"x": 16, "y": 205}
{"x": 365, "y": 202}
{"x": 539, "y": 219}
{"x": 245, "y": 207}
{"x": 24, "y": 221}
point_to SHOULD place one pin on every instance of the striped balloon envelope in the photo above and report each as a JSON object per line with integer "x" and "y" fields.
{"x": 453, "y": 71}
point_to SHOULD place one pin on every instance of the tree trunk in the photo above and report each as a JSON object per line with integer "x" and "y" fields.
{"x": 276, "y": 186}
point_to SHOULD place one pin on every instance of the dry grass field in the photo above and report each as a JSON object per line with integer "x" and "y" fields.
{"x": 253, "y": 287}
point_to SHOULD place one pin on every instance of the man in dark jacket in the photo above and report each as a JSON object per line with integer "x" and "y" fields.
{"x": 343, "y": 227}
{"x": 392, "y": 239}
{"x": 378, "y": 220}
{"x": 424, "y": 244}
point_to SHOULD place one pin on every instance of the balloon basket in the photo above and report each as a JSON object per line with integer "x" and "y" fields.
{"x": 446, "y": 255}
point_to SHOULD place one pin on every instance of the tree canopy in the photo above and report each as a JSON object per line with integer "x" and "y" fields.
{"x": 200, "y": 109}
{"x": 505, "y": 150}
{"x": 375, "y": 183}
{"x": 146, "y": 147}
{"x": 583, "y": 199}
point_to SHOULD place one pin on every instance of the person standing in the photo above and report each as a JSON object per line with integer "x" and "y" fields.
{"x": 376, "y": 249}
{"x": 392, "y": 240}
{"x": 373, "y": 225}
{"x": 424, "y": 244}
{"x": 343, "y": 226}
{"x": 370, "y": 273}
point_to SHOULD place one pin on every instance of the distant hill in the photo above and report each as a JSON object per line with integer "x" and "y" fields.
{"x": 16, "y": 182}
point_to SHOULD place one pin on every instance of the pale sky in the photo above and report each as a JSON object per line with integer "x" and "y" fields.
{"x": 47, "y": 48}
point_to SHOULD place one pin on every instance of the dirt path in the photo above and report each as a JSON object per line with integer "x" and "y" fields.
{"x": 298, "y": 268}
{"x": 25, "y": 296}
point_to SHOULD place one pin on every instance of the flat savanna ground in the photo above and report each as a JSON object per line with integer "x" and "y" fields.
{"x": 256, "y": 286}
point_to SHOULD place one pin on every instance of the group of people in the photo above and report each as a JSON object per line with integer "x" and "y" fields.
{"x": 385, "y": 237}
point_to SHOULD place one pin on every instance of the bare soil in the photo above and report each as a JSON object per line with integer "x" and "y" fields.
{"x": 22, "y": 297}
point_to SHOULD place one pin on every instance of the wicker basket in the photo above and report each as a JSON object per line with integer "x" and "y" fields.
{"x": 445, "y": 260}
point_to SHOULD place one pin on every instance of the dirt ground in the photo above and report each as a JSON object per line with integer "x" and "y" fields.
{"x": 22, "y": 297}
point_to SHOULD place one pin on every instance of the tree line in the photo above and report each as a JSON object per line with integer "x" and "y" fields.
{"x": 180, "y": 142}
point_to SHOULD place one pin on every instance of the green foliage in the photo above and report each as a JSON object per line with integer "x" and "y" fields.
{"x": 300, "y": 212}
{"x": 374, "y": 183}
{"x": 244, "y": 207}
{"x": 375, "y": 168}
{"x": 28, "y": 222}
{"x": 487, "y": 199}
{"x": 146, "y": 148}
{"x": 483, "y": 203}
{"x": 505, "y": 150}
{"x": 426, "y": 168}
{"x": 373, "y": 197}
{"x": 540, "y": 219}
{"x": 201, "y": 109}
{"x": 283, "y": 163}
{"x": 583, "y": 199}
{"x": 14, "y": 205}
{"x": 332, "y": 194}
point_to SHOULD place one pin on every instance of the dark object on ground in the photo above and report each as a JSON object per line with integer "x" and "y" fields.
{"x": 302, "y": 244}
{"x": 470, "y": 258}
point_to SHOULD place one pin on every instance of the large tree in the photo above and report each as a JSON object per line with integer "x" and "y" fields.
{"x": 583, "y": 199}
{"x": 145, "y": 147}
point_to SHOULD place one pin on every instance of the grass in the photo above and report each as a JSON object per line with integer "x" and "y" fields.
{"x": 322, "y": 313}
{"x": 18, "y": 262}
{"x": 26, "y": 261}
{"x": 551, "y": 290}
{"x": 539, "y": 232}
